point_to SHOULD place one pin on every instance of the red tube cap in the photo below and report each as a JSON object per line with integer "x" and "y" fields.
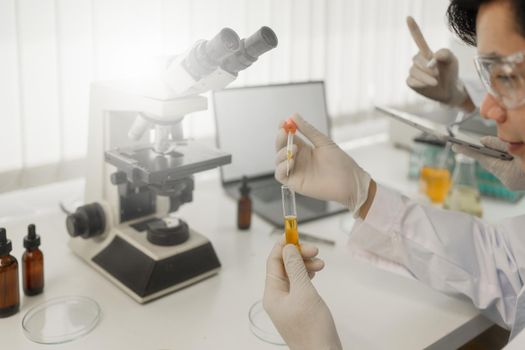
{"x": 290, "y": 126}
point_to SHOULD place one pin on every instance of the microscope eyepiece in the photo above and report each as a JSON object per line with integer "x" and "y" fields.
{"x": 260, "y": 42}
{"x": 206, "y": 56}
{"x": 211, "y": 65}
{"x": 223, "y": 44}
{"x": 250, "y": 49}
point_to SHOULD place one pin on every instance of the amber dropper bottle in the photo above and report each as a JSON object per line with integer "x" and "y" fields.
{"x": 9, "y": 292}
{"x": 244, "y": 206}
{"x": 32, "y": 263}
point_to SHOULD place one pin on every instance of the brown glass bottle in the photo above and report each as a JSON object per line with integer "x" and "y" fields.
{"x": 9, "y": 290}
{"x": 244, "y": 206}
{"x": 32, "y": 263}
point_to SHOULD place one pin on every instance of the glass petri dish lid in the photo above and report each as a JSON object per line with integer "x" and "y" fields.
{"x": 60, "y": 320}
{"x": 262, "y": 326}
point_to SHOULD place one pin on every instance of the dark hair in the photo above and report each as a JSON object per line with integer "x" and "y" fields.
{"x": 462, "y": 15}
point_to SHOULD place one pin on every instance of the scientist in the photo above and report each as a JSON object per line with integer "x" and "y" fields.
{"x": 450, "y": 251}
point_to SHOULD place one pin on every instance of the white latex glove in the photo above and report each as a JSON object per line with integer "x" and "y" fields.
{"x": 510, "y": 173}
{"x": 440, "y": 81}
{"x": 323, "y": 171}
{"x": 292, "y": 302}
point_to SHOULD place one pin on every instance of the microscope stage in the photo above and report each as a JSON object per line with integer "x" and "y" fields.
{"x": 143, "y": 164}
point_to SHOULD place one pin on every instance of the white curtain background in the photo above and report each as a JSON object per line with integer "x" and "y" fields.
{"x": 50, "y": 51}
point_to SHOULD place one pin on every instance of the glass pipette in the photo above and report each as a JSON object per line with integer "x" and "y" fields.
{"x": 290, "y": 128}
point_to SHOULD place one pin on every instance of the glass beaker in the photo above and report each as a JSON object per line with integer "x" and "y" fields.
{"x": 434, "y": 176}
{"x": 464, "y": 195}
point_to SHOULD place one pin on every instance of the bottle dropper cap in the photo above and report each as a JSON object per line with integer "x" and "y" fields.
{"x": 290, "y": 126}
{"x": 32, "y": 240}
{"x": 5, "y": 244}
{"x": 245, "y": 189}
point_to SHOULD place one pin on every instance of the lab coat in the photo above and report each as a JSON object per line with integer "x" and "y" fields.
{"x": 518, "y": 343}
{"x": 452, "y": 252}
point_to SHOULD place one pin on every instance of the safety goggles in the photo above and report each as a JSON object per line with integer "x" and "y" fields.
{"x": 504, "y": 77}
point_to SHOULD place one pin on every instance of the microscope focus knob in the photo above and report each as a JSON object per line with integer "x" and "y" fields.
{"x": 87, "y": 221}
{"x": 168, "y": 232}
{"x": 118, "y": 178}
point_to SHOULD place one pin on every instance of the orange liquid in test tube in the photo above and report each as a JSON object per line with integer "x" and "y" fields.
{"x": 291, "y": 232}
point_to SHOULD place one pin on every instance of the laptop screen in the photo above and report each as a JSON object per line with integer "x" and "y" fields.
{"x": 247, "y": 120}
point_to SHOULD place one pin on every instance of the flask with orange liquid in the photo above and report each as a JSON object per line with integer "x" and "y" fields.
{"x": 435, "y": 183}
{"x": 435, "y": 177}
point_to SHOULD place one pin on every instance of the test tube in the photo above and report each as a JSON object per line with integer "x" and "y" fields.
{"x": 290, "y": 216}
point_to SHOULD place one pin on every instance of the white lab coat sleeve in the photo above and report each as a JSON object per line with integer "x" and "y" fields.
{"x": 517, "y": 343}
{"x": 450, "y": 251}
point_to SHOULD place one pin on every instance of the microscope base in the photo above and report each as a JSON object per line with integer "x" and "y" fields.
{"x": 147, "y": 272}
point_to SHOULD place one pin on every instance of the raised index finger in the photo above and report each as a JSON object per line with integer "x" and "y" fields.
{"x": 419, "y": 39}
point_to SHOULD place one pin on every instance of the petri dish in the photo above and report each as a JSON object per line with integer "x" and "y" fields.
{"x": 262, "y": 326}
{"x": 61, "y": 320}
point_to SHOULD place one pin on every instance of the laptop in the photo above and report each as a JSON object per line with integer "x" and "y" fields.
{"x": 247, "y": 120}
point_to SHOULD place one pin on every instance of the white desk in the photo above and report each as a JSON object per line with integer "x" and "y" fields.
{"x": 373, "y": 309}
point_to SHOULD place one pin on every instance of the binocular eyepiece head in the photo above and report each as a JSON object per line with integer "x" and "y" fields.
{"x": 228, "y": 51}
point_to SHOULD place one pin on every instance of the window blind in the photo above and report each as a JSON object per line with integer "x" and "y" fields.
{"x": 50, "y": 51}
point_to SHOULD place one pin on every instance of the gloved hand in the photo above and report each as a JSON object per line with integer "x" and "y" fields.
{"x": 439, "y": 82}
{"x": 510, "y": 173}
{"x": 292, "y": 302}
{"x": 323, "y": 171}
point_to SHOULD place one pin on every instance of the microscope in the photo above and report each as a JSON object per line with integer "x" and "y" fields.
{"x": 140, "y": 169}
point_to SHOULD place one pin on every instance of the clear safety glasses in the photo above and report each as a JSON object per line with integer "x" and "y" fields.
{"x": 504, "y": 77}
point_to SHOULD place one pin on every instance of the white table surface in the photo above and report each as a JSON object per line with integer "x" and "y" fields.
{"x": 373, "y": 308}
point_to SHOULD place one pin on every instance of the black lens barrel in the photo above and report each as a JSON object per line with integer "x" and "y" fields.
{"x": 206, "y": 56}
{"x": 250, "y": 49}
{"x": 260, "y": 42}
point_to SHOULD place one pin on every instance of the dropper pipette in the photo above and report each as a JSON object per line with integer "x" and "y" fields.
{"x": 290, "y": 128}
